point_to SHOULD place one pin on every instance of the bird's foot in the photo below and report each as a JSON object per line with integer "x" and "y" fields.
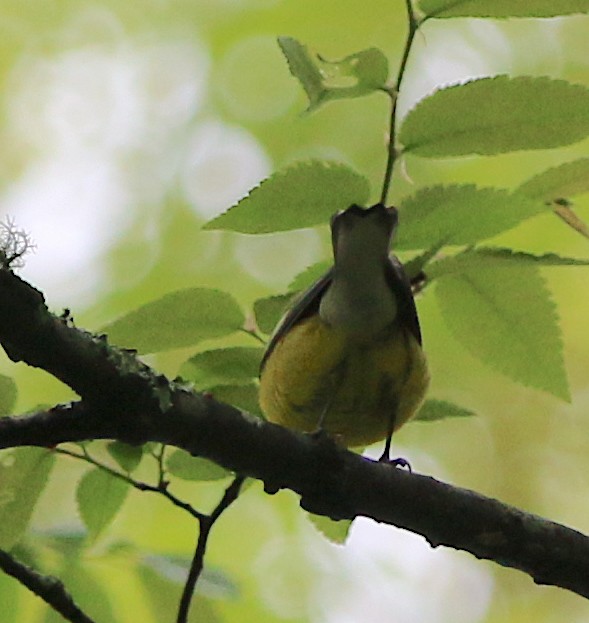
{"x": 398, "y": 462}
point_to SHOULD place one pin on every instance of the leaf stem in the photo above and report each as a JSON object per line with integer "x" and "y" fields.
{"x": 253, "y": 333}
{"x": 393, "y": 93}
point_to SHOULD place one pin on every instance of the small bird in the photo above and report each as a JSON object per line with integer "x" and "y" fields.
{"x": 347, "y": 357}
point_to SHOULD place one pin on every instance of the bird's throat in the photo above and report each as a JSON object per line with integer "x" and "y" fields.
{"x": 359, "y": 301}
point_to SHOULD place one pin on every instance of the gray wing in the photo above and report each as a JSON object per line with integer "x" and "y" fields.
{"x": 401, "y": 286}
{"x": 306, "y": 305}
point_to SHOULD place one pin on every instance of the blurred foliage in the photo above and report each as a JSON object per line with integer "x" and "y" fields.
{"x": 125, "y": 127}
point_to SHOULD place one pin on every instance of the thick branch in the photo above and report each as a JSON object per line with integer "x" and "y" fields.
{"x": 46, "y": 587}
{"x": 330, "y": 480}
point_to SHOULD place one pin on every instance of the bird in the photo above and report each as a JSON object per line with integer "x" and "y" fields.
{"x": 347, "y": 357}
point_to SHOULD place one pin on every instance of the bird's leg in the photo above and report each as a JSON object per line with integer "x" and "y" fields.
{"x": 386, "y": 454}
{"x": 320, "y": 430}
{"x": 324, "y": 412}
{"x": 335, "y": 379}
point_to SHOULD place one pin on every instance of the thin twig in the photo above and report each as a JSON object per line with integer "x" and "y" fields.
{"x": 394, "y": 95}
{"x": 161, "y": 487}
{"x": 206, "y": 524}
{"x": 48, "y": 588}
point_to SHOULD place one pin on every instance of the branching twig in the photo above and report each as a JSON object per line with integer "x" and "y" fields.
{"x": 161, "y": 487}
{"x": 206, "y": 522}
{"x": 205, "y": 525}
{"x": 48, "y": 588}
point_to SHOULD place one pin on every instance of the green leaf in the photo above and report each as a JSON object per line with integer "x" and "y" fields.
{"x": 8, "y": 394}
{"x": 496, "y": 115}
{"x": 228, "y": 366}
{"x": 178, "y": 319}
{"x": 23, "y": 475}
{"x": 244, "y": 397}
{"x": 269, "y": 310}
{"x": 455, "y": 215}
{"x": 433, "y": 410}
{"x": 100, "y": 496}
{"x": 502, "y": 8}
{"x": 334, "y": 531}
{"x": 501, "y": 311}
{"x": 356, "y": 75}
{"x": 10, "y": 600}
{"x": 187, "y": 467}
{"x": 127, "y": 456}
{"x": 547, "y": 259}
{"x": 87, "y": 591}
{"x": 303, "y": 195}
{"x": 564, "y": 181}
{"x": 417, "y": 265}
{"x": 163, "y": 582}
{"x": 308, "y": 276}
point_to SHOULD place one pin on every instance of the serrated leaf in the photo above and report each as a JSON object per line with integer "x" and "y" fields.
{"x": 23, "y": 475}
{"x": 178, "y": 319}
{"x": 502, "y": 8}
{"x": 564, "y": 181}
{"x": 187, "y": 467}
{"x": 305, "y": 194}
{"x": 308, "y": 276}
{"x": 459, "y": 215}
{"x": 229, "y": 366}
{"x": 464, "y": 261}
{"x": 496, "y": 115}
{"x": 501, "y": 311}
{"x": 8, "y": 394}
{"x": 100, "y": 497}
{"x": 334, "y": 531}
{"x": 547, "y": 259}
{"x": 432, "y": 410}
{"x": 244, "y": 397}
{"x": 303, "y": 67}
{"x": 355, "y": 75}
{"x": 270, "y": 309}
{"x": 127, "y": 456}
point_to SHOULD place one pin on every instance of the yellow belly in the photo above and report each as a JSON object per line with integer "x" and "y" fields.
{"x": 362, "y": 386}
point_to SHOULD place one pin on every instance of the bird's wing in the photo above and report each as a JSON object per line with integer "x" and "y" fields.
{"x": 304, "y": 306}
{"x": 401, "y": 286}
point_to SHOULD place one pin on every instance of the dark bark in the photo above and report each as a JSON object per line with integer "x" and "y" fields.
{"x": 124, "y": 399}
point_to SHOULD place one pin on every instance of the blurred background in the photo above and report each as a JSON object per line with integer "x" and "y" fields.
{"x": 124, "y": 127}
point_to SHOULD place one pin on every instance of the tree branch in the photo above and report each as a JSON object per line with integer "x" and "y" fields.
{"x": 124, "y": 399}
{"x": 46, "y": 587}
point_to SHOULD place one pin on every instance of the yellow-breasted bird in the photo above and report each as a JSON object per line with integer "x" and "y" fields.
{"x": 347, "y": 357}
